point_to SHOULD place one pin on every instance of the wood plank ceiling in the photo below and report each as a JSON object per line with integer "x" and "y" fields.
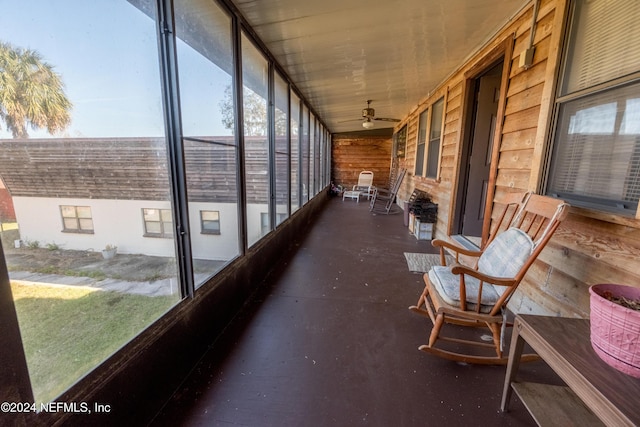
{"x": 340, "y": 53}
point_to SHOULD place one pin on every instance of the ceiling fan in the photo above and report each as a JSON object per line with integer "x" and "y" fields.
{"x": 369, "y": 116}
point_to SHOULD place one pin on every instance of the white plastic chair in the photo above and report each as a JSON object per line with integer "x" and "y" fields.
{"x": 365, "y": 183}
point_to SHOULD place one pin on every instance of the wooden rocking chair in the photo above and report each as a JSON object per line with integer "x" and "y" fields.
{"x": 477, "y": 296}
{"x": 383, "y": 198}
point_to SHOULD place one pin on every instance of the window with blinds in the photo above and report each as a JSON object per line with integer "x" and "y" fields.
{"x": 400, "y": 142}
{"x": 433, "y": 155}
{"x": 422, "y": 139}
{"x": 596, "y": 153}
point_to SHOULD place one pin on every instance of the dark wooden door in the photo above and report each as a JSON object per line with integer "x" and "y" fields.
{"x": 478, "y": 167}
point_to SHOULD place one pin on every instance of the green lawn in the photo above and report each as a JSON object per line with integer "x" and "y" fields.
{"x": 67, "y": 330}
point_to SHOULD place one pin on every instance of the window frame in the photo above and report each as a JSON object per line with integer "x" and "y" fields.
{"x": 438, "y": 140}
{"x": 592, "y": 203}
{"x": 295, "y": 151}
{"x": 203, "y": 229}
{"x": 400, "y": 142}
{"x": 282, "y": 144}
{"x": 77, "y": 219}
{"x": 421, "y": 142}
{"x": 162, "y": 234}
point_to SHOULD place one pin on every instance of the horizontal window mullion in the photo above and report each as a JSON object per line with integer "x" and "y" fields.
{"x": 613, "y": 84}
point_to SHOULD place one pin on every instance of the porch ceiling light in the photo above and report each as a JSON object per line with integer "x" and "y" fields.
{"x": 368, "y": 124}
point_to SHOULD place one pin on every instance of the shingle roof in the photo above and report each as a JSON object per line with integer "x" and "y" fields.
{"x": 128, "y": 168}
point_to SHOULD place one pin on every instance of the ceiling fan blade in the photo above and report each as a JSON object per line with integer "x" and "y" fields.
{"x": 350, "y": 120}
{"x": 386, "y": 119}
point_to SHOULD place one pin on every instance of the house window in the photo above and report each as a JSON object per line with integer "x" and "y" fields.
{"x": 281, "y": 118}
{"x": 265, "y": 227}
{"x": 157, "y": 223}
{"x": 435, "y": 132}
{"x": 210, "y": 222}
{"x": 264, "y": 223}
{"x": 255, "y": 96}
{"x": 76, "y": 219}
{"x": 422, "y": 139}
{"x": 312, "y": 146}
{"x": 295, "y": 152}
{"x": 210, "y": 150}
{"x": 304, "y": 149}
{"x": 400, "y": 142}
{"x": 596, "y": 143}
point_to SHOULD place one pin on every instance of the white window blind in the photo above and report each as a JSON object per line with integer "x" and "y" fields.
{"x": 605, "y": 43}
{"x": 433, "y": 155}
{"x": 598, "y": 150}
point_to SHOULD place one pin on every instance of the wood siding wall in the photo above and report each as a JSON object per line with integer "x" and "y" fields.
{"x": 589, "y": 247}
{"x": 353, "y": 154}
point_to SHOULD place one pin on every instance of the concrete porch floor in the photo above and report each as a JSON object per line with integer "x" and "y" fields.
{"x": 328, "y": 340}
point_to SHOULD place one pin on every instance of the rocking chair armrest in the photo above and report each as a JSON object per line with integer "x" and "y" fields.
{"x": 501, "y": 281}
{"x": 459, "y": 249}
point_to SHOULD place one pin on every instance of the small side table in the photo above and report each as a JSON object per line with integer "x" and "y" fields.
{"x": 595, "y": 394}
{"x": 351, "y": 195}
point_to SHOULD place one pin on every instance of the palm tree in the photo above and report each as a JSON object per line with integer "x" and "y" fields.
{"x": 31, "y": 93}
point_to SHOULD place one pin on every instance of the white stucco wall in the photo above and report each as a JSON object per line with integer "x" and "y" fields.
{"x": 221, "y": 247}
{"x": 120, "y": 222}
{"x": 254, "y": 220}
{"x": 254, "y": 227}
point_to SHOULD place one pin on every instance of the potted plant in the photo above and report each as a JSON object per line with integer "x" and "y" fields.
{"x": 109, "y": 251}
{"x": 615, "y": 326}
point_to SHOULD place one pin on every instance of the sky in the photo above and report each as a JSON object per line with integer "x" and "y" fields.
{"x": 106, "y": 53}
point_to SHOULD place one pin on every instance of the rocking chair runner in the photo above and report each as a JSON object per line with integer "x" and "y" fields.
{"x": 477, "y": 297}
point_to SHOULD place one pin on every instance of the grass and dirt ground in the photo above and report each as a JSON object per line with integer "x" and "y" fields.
{"x": 68, "y": 330}
{"x": 51, "y": 259}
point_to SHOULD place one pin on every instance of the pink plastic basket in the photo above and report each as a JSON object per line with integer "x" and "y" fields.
{"x": 615, "y": 330}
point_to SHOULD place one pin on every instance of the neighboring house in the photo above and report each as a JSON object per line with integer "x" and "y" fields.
{"x": 67, "y": 192}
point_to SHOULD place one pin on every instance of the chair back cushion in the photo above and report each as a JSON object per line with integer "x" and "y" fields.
{"x": 505, "y": 256}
